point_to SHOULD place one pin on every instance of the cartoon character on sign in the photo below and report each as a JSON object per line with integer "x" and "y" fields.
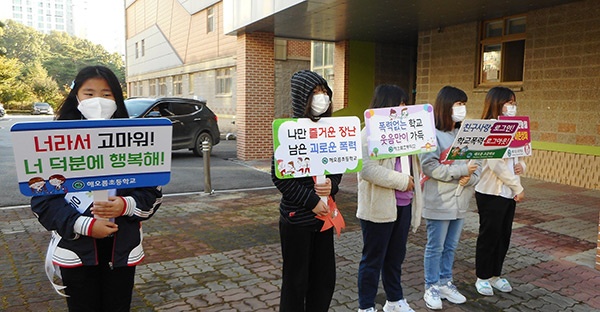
{"x": 285, "y": 169}
{"x": 38, "y": 185}
{"x": 304, "y": 165}
{"x": 393, "y": 114}
{"x": 58, "y": 181}
{"x": 403, "y": 114}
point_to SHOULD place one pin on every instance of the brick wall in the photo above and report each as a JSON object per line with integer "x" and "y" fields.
{"x": 598, "y": 248}
{"x": 297, "y": 49}
{"x": 560, "y": 89}
{"x": 256, "y": 91}
{"x": 399, "y": 69}
{"x": 562, "y": 73}
{"x": 340, "y": 72}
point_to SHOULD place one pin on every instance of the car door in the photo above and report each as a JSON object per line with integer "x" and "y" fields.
{"x": 183, "y": 123}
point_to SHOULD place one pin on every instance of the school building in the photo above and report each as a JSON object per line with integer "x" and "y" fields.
{"x": 239, "y": 55}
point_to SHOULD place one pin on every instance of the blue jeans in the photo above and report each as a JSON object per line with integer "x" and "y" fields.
{"x": 442, "y": 240}
{"x": 384, "y": 249}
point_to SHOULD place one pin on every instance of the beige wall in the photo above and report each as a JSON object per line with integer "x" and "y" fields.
{"x": 560, "y": 90}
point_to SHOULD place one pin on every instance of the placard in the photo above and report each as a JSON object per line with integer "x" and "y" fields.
{"x": 521, "y": 143}
{"x": 483, "y": 139}
{"x": 400, "y": 131}
{"x": 89, "y": 155}
{"x": 304, "y": 148}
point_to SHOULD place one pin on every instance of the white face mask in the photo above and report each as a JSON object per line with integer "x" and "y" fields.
{"x": 320, "y": 104}
{"x": 511, "y": 110}
{"x": 459, "y": 113}
{"x": 97, "y": 108}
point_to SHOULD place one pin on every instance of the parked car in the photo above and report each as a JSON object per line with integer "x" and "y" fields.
{"x": 2, "y": 111}
{"x": 193, "y": 122}
{"x": 42, "y": 108}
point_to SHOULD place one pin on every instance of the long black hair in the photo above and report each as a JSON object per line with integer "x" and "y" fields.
{"x": 68, "y": 109}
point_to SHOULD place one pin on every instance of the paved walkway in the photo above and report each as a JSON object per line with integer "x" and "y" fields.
{"x": 221, "y": 252}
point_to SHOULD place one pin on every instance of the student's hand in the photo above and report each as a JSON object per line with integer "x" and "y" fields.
{"x": 411, "y": 184}
{"x": 519, "y": 197}
{"x": 103, "y": 228}
{"x": 472, "y": 168}
{"x": 321, "y": 209}
{"x": 518, "y": 169}
{"x": 323, "y": 189}
{"x": 108, "y": 209}
{"x": 464, "y": 180}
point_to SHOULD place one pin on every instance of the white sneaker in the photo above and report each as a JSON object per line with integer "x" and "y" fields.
{"x": 450, "y": 293}
{"x": 397, "y": 306}
{"x": 484, "y": 287}
{"x": 367, "y": 310}
{"x": 432, "y": 298}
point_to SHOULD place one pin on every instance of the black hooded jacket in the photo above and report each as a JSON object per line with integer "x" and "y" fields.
{"x": 298, "y": 195}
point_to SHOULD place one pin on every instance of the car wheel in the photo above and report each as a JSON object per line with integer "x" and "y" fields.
{"x": 203, "y": 137}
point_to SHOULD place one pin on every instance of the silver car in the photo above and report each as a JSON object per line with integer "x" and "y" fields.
{"x": 42, "y": 108}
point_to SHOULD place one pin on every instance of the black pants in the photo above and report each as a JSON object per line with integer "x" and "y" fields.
{"x": 308, "y": 269}
{"x": 99, "y": 288}
{"x": 496, "y": 215}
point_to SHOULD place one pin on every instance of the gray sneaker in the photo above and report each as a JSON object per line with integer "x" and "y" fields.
{"x": 450, "y": 293}
{"x": 432, "y": 298}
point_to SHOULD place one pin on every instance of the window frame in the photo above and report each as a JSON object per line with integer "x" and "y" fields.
{"x": 224, "y": 82}
{"x": 162, "y": 86}
{"x": 152, "y": 88}
{"x": 178, "y": 85}
{"x": 191, "y": 82}
{"x": 210, "y": 19}
{"x": 501, "y": 40}
{"x": 326, "y": 62}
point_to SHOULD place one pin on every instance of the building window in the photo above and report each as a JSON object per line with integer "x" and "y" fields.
{"x": 177, "y": 87}
{"x": 224, "y": 81}
{"x": 143, "y": 47}
{"x": 502, "y": 50}
{"x": 140, "y": 91}
{"x": 210, "y": 19}
{"x": 162, "y": 86}
{"x": 321, "y": 60}
{"x": 137, "y": 50}
{"x": 191, "y": 83}
{"x": 153, "y": 87}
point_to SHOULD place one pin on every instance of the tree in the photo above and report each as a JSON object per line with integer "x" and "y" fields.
{"x": 22, "y": 42}
{"x": 43, "y": 87}
{"x": 69, "y": 54}
{"x": 12, "y": 89}
{"x": 41, "y": 67}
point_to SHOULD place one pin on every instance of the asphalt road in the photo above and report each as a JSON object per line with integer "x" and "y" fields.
{"x": 187, "y": 170}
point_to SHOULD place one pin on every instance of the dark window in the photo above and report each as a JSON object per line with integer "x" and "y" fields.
{"x": 502, "y": 50}
{"x": 184, "y": 108}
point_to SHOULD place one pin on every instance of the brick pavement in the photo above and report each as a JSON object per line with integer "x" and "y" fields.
{"x": 221, "y": 252}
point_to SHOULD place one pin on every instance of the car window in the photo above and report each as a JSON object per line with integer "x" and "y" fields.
{"x": 136, "y": 107}
{"x": 184, "y": 108}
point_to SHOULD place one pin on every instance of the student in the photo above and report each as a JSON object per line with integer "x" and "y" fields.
{"x": 497, "y": 193}
{"x": 308, "y": 277}
{"x": 384, "y": 210}
{"x": 444, "y": 206}
{"x": 97, "y": 256}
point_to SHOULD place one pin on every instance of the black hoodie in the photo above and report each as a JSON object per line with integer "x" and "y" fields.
{"x": 298, "y": 195}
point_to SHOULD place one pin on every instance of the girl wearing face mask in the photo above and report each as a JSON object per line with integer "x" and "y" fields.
{"x": 95, "y": 257}
{"x": 386, "y": 212}
{"x": 497, "y": 193}
{"x": 444, "y": 208}
{"x": 308, "y": 278}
